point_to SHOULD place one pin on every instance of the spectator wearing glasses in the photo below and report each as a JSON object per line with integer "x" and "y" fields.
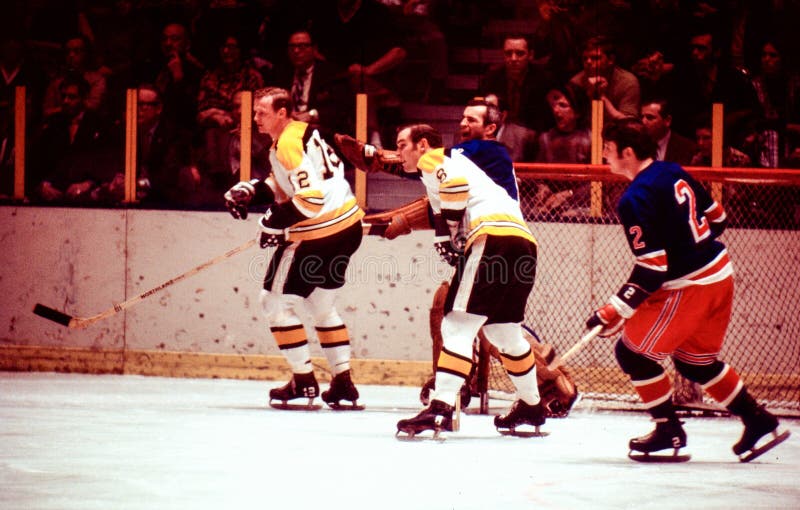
{"x": 314, "y": 84}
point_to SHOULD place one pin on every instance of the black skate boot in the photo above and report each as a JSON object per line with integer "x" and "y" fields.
{"x": 342, "y": 388}
{"x": 668, "y": 434}
{"x": 437, "y": 417}
{"x": 300, "y": 386}
{"x": 758, "y": 423}
{"x": 521, "y": 413}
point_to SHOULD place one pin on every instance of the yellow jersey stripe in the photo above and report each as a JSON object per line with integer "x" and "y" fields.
{"x": 327, "y": 224}
{"x": 289, "y": 149}
{"x": 431, "y": 160}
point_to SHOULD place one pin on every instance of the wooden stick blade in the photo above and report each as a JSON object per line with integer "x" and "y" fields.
{"x": 52, "y": 314}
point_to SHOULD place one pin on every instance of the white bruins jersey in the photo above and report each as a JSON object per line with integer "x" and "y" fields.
{"x": 455, "y": 183}
{"x": 308, "y": 172}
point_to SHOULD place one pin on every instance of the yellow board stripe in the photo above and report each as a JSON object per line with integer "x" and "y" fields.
{"x": 290, "y": 336}
{"x": 518, "y": 365}
{"x": 454, "y": 364}
{"x": 334, "y": 336}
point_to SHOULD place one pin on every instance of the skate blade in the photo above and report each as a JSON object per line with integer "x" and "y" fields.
{"x": 402, "y": 435}
{"x": 660, "y": 457}
{"x": 285, "y": 406}
{"x": 352, "y": 406}
{"x": 777, "y": 438}
{"x": 523, "y": 433}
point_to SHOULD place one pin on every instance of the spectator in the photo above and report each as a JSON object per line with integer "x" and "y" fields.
{"x": 425, "y": 43}
{"x": 317, "y": 89}
{"x": 122, "y": 35}
{"x": 656, "y": 77}
{"x": 569, "y": 141}
{"x": 16, "y": 70}
{"x": 74, "y": 155}
{"x": 731, "y": 157}
{"x": 165, "y": 172}
{"x": 519, "y": 140}
{"x": 177, "y": 76}
{"x": 259, "y": 149}
{"x": 77, "y": 60}
{"x": 778, "y": 93}
{"x": 521, "y": 82}
{"x": 706, "y": 80}
{"x": 215, "y": 117}
{"x": 602, "y": 79}
{"x": 657, "y": 121}
{"x": 554, "y": 40}
{"x": 359, "y": 37}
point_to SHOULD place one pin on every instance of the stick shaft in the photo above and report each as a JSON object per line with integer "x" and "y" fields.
{"x": 588, "y": 337}
{"x": 82, "y": 322}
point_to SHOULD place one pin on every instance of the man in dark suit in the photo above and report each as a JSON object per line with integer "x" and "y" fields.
{"x": 656, "y": 116}
{"x": 523, "y": 84}
{"x": 73, "y": 153}
{"x": 315, "y": 85}
{"x": 166, "y": 174}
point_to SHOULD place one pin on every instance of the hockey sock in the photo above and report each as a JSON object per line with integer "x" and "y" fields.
{"x": 335, "y": 343}
{"x": 648, "y": 377}
{"x": 517, "y": 358}
{"x": 455, "y": 361}
{"x": 293, "y": 343}
{"x": 725, "y": 386}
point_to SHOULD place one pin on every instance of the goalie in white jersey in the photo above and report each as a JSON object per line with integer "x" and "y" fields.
{"x": 480, "y": 230}
{"x": 315, "y": 224}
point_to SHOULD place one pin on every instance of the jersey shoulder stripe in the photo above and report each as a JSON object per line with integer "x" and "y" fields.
{"x": 289, "y": 149}
{"x": 431, "y": 160}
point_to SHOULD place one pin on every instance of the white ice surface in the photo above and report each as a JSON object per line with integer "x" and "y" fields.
{"x": 128, "y": 442}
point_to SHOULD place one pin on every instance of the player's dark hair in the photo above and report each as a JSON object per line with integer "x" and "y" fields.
{"x": 629, "y": 132}
{"x": 602, "y": 43}
{"x": 493, "y": 114}
{"x": 417, "y": 132}
{"x": 663, "y": 103}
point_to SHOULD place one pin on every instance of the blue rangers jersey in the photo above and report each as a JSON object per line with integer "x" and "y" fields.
{"x": 672, "y": 225}
{"x": 492, "y": 157}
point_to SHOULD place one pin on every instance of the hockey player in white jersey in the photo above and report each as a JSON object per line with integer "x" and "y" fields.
{"x": 480, "y": 230}
{"x": 315, "y": 224}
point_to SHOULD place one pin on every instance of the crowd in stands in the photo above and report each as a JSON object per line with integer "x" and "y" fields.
{"x": 665, "y": 61}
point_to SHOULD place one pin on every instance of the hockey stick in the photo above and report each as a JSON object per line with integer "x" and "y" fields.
{"x": 82, "y": 322}
{"x": 588, "y": 337}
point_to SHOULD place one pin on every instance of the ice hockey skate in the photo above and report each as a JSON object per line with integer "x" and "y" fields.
{"x": 521, "y": 414}
{"x": 667, "y": 435}
{"x": 760, "y": 424}
{"x": 436, "y": 417}
{"x": 342, "y": 388}
{"x": 300, "y": 386}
